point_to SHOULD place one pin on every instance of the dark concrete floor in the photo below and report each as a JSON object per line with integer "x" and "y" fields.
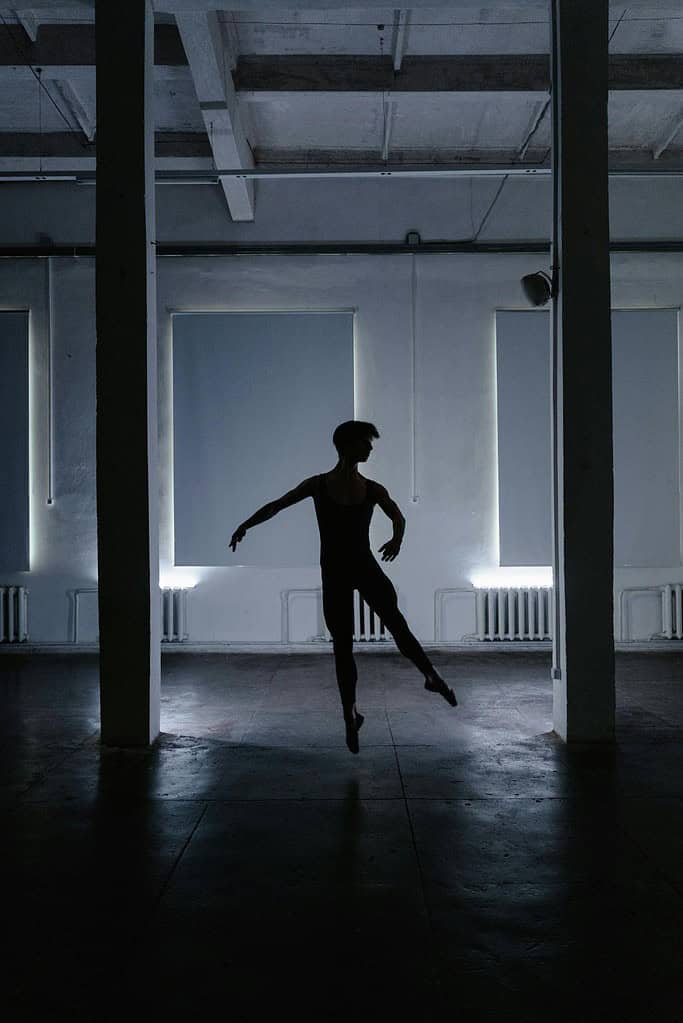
{"x": 466, "y": 862}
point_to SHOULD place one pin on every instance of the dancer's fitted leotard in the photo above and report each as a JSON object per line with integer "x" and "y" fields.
{"x": 344, "y": 528}
{"x": 347, "y": 564}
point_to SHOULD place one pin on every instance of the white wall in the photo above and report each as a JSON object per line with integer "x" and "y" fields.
{"x": 452, "y": 528}
{"x": 368, "y": 210}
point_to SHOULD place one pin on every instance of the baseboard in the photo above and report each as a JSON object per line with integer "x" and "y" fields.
{"x": 321, "y": 647}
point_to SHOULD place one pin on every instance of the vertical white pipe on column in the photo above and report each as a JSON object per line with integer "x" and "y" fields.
{"x": 23, "y": 613}
{"x": 481, "y": 614}
{"x": 667, "y": 625}
{"x": 172, "y": 596}
{"x": 413, "y": 378}
{"x": 11, "y": 618}
{"x": 49, "y": 302}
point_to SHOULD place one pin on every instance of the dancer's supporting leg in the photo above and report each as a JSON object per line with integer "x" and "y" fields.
{"x": 338, "y": 612}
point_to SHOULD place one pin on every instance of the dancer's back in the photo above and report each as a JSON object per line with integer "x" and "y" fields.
{"x": 344, "y": 527}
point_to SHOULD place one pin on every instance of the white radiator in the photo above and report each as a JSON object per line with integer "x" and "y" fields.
{"x": 13, "y": 614}
{"x": 367, "y": 626}
{"x": 670, "y": 609}
{"x": 521, "y": 612}
{"x": 174, "y": 616}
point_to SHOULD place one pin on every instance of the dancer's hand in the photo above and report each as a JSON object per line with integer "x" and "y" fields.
{"x": 391, "y": 549}
{"x": 238, "y": 535}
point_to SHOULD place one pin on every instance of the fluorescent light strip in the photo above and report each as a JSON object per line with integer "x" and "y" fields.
{"x": 512, "y": 577}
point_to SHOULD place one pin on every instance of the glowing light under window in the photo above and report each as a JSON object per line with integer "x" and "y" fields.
{"x": 177, "y": 579}
{"x": 513, "y": 576}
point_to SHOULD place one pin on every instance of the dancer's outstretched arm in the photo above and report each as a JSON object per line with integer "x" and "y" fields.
{"x": 304, "y": 489}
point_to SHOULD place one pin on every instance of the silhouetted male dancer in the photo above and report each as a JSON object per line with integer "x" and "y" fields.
{"x": 344, "y": 502}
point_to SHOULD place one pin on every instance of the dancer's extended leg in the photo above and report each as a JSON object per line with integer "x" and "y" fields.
{"x": 379, "y": 593}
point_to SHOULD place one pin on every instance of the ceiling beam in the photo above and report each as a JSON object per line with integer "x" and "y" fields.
{"x": 205, "y": 49}
{"x": 83, "y": 8}
{"x": 73, "y": 102}
{"x": 68, "y": 44}
{"x": 389, "y": 116}
{"x": 83, "y": 74}
{"x": 86, "y": 8}
{"x": 231, "y": 40}
{"x": 256, "y": 75}
{"x": 527, "y": 6}
{"x": 669, "y": 135}
{"x": 540, "y": 109}
{"x": 539, "y": 8}
{"x": 28, "y": 22}
{"x": 401, "y": 25}
{"x": 65, "y": 145}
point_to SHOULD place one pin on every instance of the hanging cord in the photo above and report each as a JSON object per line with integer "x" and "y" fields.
{"x": 619, "y": 21}
{"x": 490, "y": 209}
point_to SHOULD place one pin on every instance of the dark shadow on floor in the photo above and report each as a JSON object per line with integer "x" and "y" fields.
{"x": 465, "y": 862}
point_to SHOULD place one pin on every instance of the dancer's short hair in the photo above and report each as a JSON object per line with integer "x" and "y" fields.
{"x": 351, "y": 431}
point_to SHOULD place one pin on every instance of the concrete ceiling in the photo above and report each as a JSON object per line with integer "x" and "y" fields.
{"x": 489, "y": 29}
{"x": 324, "y": 108}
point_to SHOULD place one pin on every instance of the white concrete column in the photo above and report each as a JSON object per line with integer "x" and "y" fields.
{"x": 127, "y": 486}
{"x": 581, "y": 377}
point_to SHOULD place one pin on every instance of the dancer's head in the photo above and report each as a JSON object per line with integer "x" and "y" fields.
{"x": 353, "y": 440}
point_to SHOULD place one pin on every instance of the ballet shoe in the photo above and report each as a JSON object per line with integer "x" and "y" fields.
{"x": 439, "y": 686}
{"x": 352, "y": 729}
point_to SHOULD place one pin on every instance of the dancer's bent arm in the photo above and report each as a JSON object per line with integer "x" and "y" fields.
{"x": 391, "y": 548}
{"x": 304, "y": 489}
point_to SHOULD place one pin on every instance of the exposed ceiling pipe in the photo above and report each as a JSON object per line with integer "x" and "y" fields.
{"x": 165, "y": 250}
{"x": 211, "y": 177}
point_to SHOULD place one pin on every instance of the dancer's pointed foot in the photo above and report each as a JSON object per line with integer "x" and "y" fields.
{"x": 353, "y": 725}
{"x": 435, "y": 684}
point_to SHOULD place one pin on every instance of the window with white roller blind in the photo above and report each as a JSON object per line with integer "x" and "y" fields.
{"x": 256, "y": 398}
{"x": 646, "y": 437}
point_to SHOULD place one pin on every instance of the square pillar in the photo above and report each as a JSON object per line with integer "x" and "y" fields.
{"x": 581, "y": 377}
{"x": 127, "y": 487}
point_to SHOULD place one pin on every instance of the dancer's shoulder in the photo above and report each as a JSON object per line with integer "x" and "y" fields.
{"x": 375, "y": 487}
